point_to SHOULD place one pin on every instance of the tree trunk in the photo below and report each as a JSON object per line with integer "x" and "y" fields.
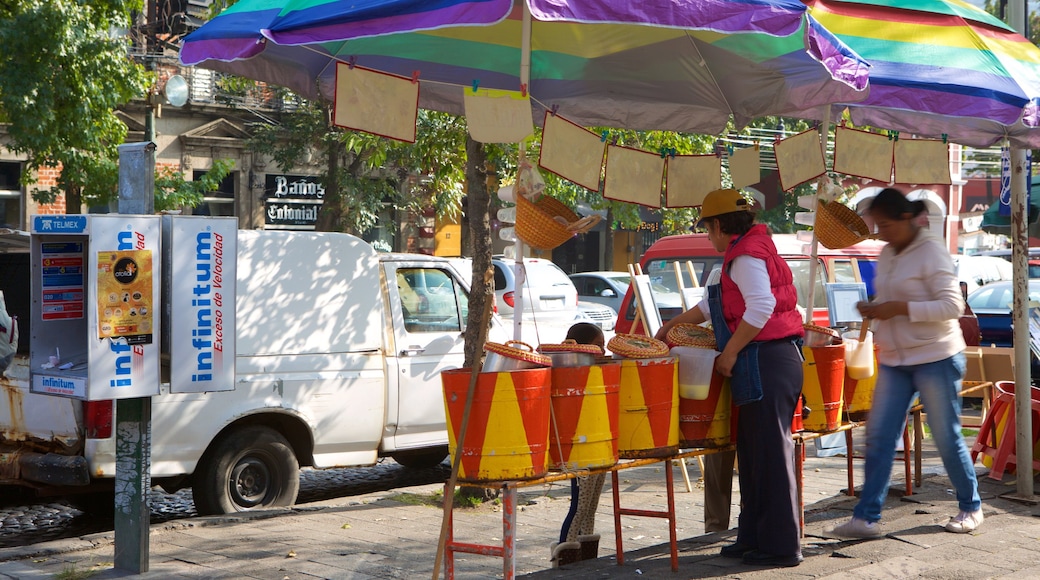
{"x": 332, "y": 208}
{"x": 73, "y": 199}
{"x": 608, "y": 250}
{"x": 478, "y": 208}
{"x": 482, "y": 286}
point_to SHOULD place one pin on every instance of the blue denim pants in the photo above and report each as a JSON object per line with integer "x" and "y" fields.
{"x": 938, "y": 383}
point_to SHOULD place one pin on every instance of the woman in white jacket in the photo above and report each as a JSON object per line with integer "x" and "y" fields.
{"x": 920, "y": 350}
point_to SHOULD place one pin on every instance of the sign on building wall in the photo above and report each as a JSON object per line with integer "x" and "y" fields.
{"x": 292, "y": 202}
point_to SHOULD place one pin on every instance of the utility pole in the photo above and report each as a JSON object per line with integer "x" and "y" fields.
{"x": 133, "y": 419}
{"x": 1017, "y": 10}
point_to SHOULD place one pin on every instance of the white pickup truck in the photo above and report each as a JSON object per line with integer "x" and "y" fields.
{"x": 338, "y": 357}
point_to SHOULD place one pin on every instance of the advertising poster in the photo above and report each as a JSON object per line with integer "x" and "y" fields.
{"x": 201, "y": 278}
{"x": 124, "y": 294}
{"x": 124, "y": 254}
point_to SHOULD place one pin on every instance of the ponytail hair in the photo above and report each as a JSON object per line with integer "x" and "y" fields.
{"x": 892, "y": 204}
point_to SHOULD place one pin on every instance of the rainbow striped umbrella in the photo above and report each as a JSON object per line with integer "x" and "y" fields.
{"x": 940, "y": 67}
{"x": 683, "y": 65}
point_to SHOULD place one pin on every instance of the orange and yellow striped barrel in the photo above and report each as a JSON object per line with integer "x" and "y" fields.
{"x": 705, "y": 424}
{"x": 507, "y": 437}
{"x": 822, "y": 384}
{"x": 584, "y": 428}
{"x": 859, "y": 394}
{"x": 648, "y": 425}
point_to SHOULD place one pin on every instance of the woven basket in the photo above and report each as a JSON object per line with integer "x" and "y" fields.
{"x": 820, "y": 335}
{"x": 637, "y": 346}
{"x": 838, "y": 227}
{"x": 537, "y": 226}
{"x": 684, "y": 334}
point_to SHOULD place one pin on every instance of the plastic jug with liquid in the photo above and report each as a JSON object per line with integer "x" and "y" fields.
{"x": 859, "y": 354}
{"x": 695, "y": 368}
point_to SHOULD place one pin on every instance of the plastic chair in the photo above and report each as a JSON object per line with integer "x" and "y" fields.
{"x": 1002, "y": 450}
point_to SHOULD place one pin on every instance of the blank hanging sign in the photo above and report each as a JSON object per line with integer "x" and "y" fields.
{"x": 376, "y": 102}
{"x": 571, "y": 151}
{"x": 799, "y": 159}
{"x": 689, "y": 178}
{"x": 634, "y": 176}
{"x": 922, "y": 161}
{"x": 744, "y": 167}
{"x": 494, "y": 116}
{"x": 863, "y": 154}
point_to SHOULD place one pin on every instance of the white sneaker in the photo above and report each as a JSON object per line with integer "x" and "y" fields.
{"x": 965, "y": 522}
{"x": 856, "y": 529}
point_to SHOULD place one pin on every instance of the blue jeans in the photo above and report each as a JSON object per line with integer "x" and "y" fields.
{"x": 938, "y": 384}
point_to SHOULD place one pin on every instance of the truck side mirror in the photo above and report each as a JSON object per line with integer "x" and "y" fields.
{"x": 607, "y": 293}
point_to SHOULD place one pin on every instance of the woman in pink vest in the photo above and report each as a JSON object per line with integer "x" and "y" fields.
{"x": 753, "y": 312}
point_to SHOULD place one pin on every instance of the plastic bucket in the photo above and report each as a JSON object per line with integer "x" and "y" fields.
{"x": 648, "y": 422}
{"x": 705, "y": 423}
{"x": 859, "y": 394}
{"x": 507, "y": 437}
{"x": 822, "y": 386}
{"x": 584, "y": 432}
{"x": 696, "y": 367}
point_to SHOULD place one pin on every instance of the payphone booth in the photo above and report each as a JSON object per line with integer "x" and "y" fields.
{"x": 95, "y": 306}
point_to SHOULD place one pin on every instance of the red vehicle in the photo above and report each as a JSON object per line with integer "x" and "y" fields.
{"x": 834, "y": 266}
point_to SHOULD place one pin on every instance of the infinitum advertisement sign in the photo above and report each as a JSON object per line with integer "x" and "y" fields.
{"x": 200, "y": 260}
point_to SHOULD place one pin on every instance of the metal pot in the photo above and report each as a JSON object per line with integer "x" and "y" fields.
{"x": 571, "y": 354}
{"x": 501, "y": 358}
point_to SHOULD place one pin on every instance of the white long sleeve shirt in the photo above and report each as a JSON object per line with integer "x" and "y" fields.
{"x": 752, "y": 279}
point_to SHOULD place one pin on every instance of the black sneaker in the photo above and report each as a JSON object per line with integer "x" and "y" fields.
{"x": 757, "y": 558}
{"x": 734, "y": 550}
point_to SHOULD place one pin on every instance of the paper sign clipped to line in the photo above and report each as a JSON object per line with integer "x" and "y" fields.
{"x": 922, "y": 161}
{"x": 863, "y": 154}
{"x": 744, "y": 167}
{"x": 690, "y": 178}
{"x": 799, "y": 159}
{"x": 376, "y": 102}
{"x": 498, "y": 116}
{"x": 634, "y": 176}
{"x": 571, "y": 151}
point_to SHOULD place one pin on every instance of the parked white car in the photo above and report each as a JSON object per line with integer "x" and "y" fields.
{"x": 977, "y": 271}
{"x": 550, "y": 301}
{"x": 599, "y": 314}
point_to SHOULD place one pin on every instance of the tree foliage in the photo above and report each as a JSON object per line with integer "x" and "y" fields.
{"x": 62, "y": 76}
{"x": 364, "y": 171}
{"x": 173, "y": 192}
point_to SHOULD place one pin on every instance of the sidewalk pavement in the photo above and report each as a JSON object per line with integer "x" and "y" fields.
{"x": 391, "y": 535}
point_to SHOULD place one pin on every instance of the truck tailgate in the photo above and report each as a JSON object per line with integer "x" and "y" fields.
{"x": 42, "y": 423}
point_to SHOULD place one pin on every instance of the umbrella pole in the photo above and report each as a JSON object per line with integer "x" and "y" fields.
{"x": 824, "y": 130}
{"x": 519, "y": 273}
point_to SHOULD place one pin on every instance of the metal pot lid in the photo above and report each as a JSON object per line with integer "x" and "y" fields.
{"x": 695, "y": 335}
{"x": 525, "y": 354}
{"x": 570, "y": 345}
{"x": 637, "y": 346}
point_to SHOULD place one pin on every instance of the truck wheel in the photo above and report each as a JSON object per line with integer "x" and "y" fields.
{"x": 252, "y": 468}
{"x": 421, "y": 459}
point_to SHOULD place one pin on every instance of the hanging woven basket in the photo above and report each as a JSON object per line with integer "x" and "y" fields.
{"x": 837, "y": 226}
{"x": 548, "y": 223}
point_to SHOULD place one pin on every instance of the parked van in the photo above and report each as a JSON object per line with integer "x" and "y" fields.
{"x": 337, "y": 363}
{"x": 834, "y": 266}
